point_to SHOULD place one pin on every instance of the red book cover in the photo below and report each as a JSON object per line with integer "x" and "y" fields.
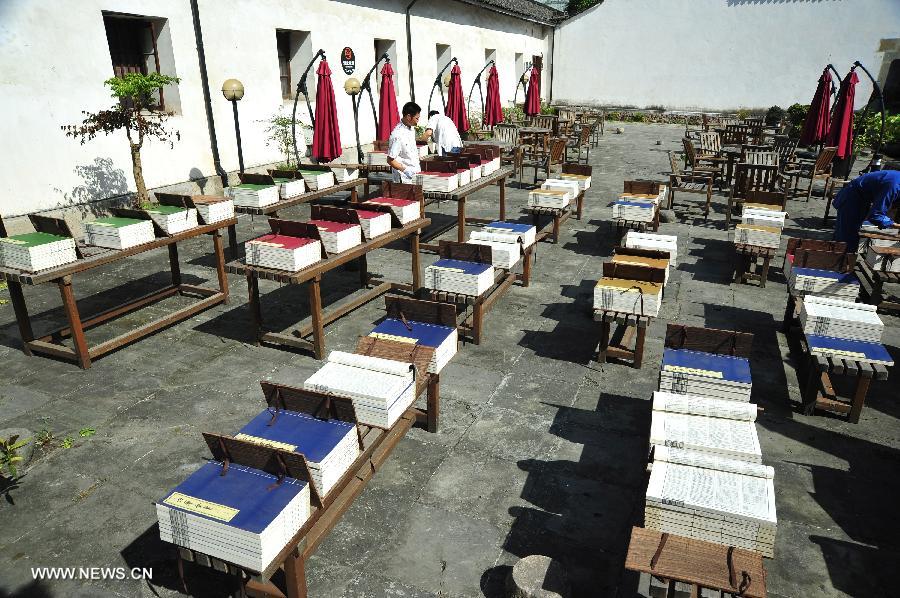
{"x": 331, "y": 227}
{"x": 366, "y": 214}
{"x": 391, "y": 201}
{"x": 283, "y": 241}
{"x": 441, "y": 174}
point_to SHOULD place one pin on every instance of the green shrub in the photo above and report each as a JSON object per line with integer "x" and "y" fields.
{"x": 774, "y": 115}
{"x": 796, "y": 115}
{"x": 9, "y": 455}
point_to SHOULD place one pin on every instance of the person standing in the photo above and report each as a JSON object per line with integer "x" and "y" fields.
{"x": 402, "y": 153}
{"x": 442, "y": 130}
{"x": 868, "y": 197}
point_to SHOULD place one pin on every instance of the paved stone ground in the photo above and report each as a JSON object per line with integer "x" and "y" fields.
{"x": 541, "y": 450}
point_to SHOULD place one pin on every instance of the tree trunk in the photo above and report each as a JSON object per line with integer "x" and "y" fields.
{"x": 142, "y": 195}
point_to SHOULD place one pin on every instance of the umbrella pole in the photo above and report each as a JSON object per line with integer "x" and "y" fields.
{"x": 439, "y": 85}
{"x": 367, "y": 86}
{"x": 875, "y": 163}
{"x": 301, "y": 88}
{"x": 477, "y": 82}
{"x": 520, "y": 83}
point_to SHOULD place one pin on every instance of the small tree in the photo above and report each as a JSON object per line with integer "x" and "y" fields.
{"x": 133, "y": 113}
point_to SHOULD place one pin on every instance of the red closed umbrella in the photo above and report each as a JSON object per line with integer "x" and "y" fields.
{"x": 533, "y": 95}
{"x": 493, "y": 113}
{"x": 456, "y": 106}
{"x": 818, "y": 118}
{"x": 840, "y": 135}
{"x": 326, "y": 145}
{"x": 388, "y": 115}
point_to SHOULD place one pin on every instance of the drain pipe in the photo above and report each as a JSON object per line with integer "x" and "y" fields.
{"x": 412, "y": 83}
{"x": 207, "y": 101}
{"x": 552, "y": 62}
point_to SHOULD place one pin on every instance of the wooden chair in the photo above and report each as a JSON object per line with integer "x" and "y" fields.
{"x": 710, "y": 143}
{"x": 582, "y": 143}
{"x": 554, "y": 157}
{"x": 544, "y": 121}
{"x": 765, "y": 158}
{"x": 511, "y": 150}
{"x": 689, "y": 183}
{"x": 735, "y": 134}
{"x": 598, "y": 124}
{"x": 697, "y": 164}
{"x": 819, "y": 170}
{"x": 786, "y": 149}
{"x": 751, "y": 177}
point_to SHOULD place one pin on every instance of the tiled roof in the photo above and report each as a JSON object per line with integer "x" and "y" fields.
{"x": 528, "y": 10}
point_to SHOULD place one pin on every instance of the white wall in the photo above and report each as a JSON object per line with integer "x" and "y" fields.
{"x": 45, "y": 85}
{"x": 716, "y": 54}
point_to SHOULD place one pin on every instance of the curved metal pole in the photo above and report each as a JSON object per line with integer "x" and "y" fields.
{"x": 301, "y": 87}
{"x": 837, "y": 74}
{"x": 521, "y": 83}
{"x": 477, "y": 82}
{"x": 437, "y": 83}
{"x": 366, "y": 85}
{"x": 876, "y": 154}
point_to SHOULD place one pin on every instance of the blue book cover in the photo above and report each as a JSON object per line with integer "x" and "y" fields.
{"x": 710, "y": 365}
{"x": 244, "y": 498}
{"x": 843, "y": 347}
{"x": 295, "y": 432}
{"x": 842, "y": 277}
{"x": 472, "y": 268}
{"x": 638, "y": 204}
{"x": 428, "y": 335}
{"x": 513, "y": 227}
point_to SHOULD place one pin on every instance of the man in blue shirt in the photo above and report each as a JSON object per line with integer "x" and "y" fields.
{"x": 868, "y": 197}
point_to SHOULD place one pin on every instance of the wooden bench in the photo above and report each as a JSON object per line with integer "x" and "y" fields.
{"x": 621, "y": 226}
{"x": 747, "y": 266}
{"x": 872, "y": 281}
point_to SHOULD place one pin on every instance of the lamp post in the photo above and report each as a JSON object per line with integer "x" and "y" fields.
{"x": 352, "y": 88}
{"x": 233, "y": 90}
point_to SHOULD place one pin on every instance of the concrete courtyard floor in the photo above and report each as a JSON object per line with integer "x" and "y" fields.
{"x": 541, "y": 450}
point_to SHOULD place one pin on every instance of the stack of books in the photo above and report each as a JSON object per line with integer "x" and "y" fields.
{"x": 763, "y": 217}
{"x": 281, "y": 252}
{"x": 250, "y": 195}
{"x": 245, "y": 517}
{"x": 669, "y": 243}
{"x": 406, "y": 210}
{"x": 475, "y": 172}
{"x": 506, "y": 248}
{"x": 338, "y": 236}
{"x": 422, "y": 146}
{"x": 443, "y": 182}
{"x": 699, "y": 495}
{"x": 378, "y": 158}
{"x": 342, "y": 174}
{"x": 381, "y": 389}
{"x": 442, "y": 339}
{"x": 825, "y": 283}
{"x": 464, "y": 176}
{"x": 644, "y": 197}
{"x": 329, "y": 446}
{"x": 723, "y": 428}
{"x": 757, "y": 235}
{"x": 548, "y": 198}
{"x": 119, "y": 233}
{"x": 288, "y": 188}
{"x": 823, "y": 316}
{"x": 489, "y": 167}
{"x": 212, "y": 208}
{"x": 570, "y": 187}
{"x": 583, "y": 180}
{"x": 36, "y": 251}
{"x": 628, "y": 296}
{"x": 883, "y": 259}
{"x": 688, "y": 372}
{"x": 374, "y": 223}
{"x": 829, "y": 346}
{"x": 639, "y": 260}
{"x": 172, "y": 219}
{"x": 455, "y": 276}
{"x": 637, "y": 211}
{"x": 317, "y": 180}
{"x": 526, "y": 232}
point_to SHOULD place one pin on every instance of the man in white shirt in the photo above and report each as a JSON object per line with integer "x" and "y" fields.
{"x": 443, "y": 130}
{"x": 403, "y": 155}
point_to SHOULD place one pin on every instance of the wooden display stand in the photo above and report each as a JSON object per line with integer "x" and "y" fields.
{"x": 313, "y": 275}
{"x": 819, "y": 260}
{"x": 90, "y": 257}
{"x": 747, "y": 266}
{"x": 558, "y": 216}
{"x": 473, "y": 324}
{"x": 709, "y": 340}
{"x": 872, "y": 281}
{"x": 697, "y": 563}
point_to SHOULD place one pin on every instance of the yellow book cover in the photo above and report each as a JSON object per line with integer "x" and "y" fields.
{"x": 648, "y": 288}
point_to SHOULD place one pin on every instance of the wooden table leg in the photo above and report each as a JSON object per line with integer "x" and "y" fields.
{"x": 502, "y": 184}
{"x": 174, "y": 265}
{"x": 363, "y": 265}
{"x": 526, "y": 266}
{"x": 255, "y": 310}
{"x": 232, "y": 240}
{"x": 859, "y": 397}
{"x": 477, "y": 320}
{"x": 764, "y": 274}
{"x": 639, "y": 348}
{"x": 416, "y": 265}
{"x": 295, "y": 576}
{"x": 434, "y": 403}
{"x": 580, "y": 205}
{"x": 810, "y": 392}
{"x": 354, "y": 196}
{"x": 315, "y": 306}
{"x": 71, "y": 308}
{"x": 788, "y": 314}
{"x": 22, "y": 317}
{"x": 556, "y": 219}
{"x": 220, "y": 263}
{"x": 604, "y": 341}
{"x": 461, "y": 220}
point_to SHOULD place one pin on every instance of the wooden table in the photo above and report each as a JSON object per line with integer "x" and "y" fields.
{"x": 698, "y": 563}
{"x": 313, "y": 275}
{"x": 631, "y": 325}
{"x": 94, "y": 257}
{"x": 746, "y": 260}
{"x": 621, "y": 226}
{"x": 459, "y": 195}
{"x": 872, "y": 281}
{"x": 273, "y": 209}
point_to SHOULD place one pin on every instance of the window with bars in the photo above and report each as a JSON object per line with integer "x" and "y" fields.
{"x": 283, "y": 39}
{"x": 133, "y": 47}
{"x": 294, "y": 50}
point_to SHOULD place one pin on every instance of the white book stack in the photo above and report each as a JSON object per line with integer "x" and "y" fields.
{"x": 723, "y": 428}
{"x": 526, "y": 232}
{"x": 214, "y": 210}
{"x": 628, "y": 296}
{"x": 455, "y": 276}
{"x": 464, "y": 176}
{"x": 281, "y": 252}
{"x": 423, "y": 150}
{"x": 823, "y": 316}
{"x": 338, "y": 237}
{"x": 288, "y": 188}
{"x": 381, "y": 389}
{"x": 711, "y": 375}
{"x": 36, "y": 251}
{"x": 883, "y": 259}
{"x": 636, "y": 240}
{"x": 757, "y": 235}
{"x": 443, "y": 182}
{"x": 374, "y": 224}
{"x": 548, "y": 198}
{"x": 825, "y": 283}
{"x": 406, "y": 210}
{"x": 342, "y": 174}
{"x": 699, "y": 495}
{"x": 654, "y": 199}
{"x": 475, "y": 172}
{"x": 173, "y": 220}
{"x": 570, "y": 187}
{"x": 763, "y": 217}
{"x": 249, "y": 195}
{"x": 637, "y": 211}
{"x": 583, "y": 180}
{"x": 119, "y": 233}
{"x": 489, "y": 167}
{"x": 377, "y": 158}
{"x": 317, "y": 180}
{"x": 506, "y": 248}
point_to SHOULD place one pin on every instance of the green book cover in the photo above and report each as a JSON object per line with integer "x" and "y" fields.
{"x": 29, "y": 240}
{"x": 116, "y": 222}
{"x": 312, "y": 172}
{"x": 282, "y": 180}
{"x": 253, "y": 186}
{"x": 165, "y": 210}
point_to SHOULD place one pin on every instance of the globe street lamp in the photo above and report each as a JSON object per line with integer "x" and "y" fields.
{"x": 352, "y": 89}
{"x": 233, "y": 90}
